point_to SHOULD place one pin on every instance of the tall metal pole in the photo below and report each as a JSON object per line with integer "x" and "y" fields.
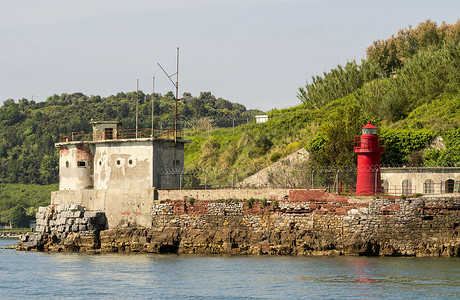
{"x": 153, "y": 101}
{"x": 177, "y": 94}
{"x": 137, "y": 105}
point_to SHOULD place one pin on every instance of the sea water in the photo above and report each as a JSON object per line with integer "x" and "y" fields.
{"x": 36, "y": 275}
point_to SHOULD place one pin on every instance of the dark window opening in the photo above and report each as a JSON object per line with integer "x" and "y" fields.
{"x": 67, "y": 164}
{"x": 81, "y": 164}
{"x": 130, "y": 161}
{"x": 450, "y": 186}
{"x": 176, "y": 162}
{"x": 100, "y": 163}
{"x": 118, "y": 162}
{"x": 109, "y": 133}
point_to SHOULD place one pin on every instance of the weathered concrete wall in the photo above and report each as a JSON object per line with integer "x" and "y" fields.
{"x": 419, "y": 179}
{"x": 123, "y": 165}
{"x": 168, "y": 155}
{"x": 76, "y": 166}
{"x": 120, "y": 163}
{"x": 273, "y": 194}
{"x": 122, "y": 207}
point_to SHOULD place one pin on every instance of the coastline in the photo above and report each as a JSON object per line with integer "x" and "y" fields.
{"x": 320, "y": 224}
{"x": 10, "y": 235}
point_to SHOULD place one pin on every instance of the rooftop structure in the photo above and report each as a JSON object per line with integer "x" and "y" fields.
{"x": 112, "y": 158}
{"x": 261, "y": 118}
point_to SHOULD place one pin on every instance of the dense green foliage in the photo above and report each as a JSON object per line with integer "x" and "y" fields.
{"x": 19, "y": 202}
{"x": 28, "y": 130}
{"x": 409, "y": 84}
{"x": 398, "y": 75}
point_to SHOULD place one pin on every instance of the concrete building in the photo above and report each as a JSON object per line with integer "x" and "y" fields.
{"x": 261, "y": 119}
{"x": 112, "y": 158}
{"x": 423, "y": 180}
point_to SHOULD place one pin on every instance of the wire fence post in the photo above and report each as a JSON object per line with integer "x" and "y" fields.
{"x": 285, "y": 180}
{"x": 337, "y": 182}
{"x": 312, "y": 176}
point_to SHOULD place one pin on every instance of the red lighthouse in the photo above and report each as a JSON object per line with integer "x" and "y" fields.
{"x": 368, "y": 148}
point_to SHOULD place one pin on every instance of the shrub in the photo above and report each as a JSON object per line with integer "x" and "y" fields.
{"x": 275, "y": 156}
{"x": 264, "y": 202}
{"x": 250, "y": 202}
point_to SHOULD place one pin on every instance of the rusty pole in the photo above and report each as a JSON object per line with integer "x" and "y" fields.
{"x": 177, "y": 94}
{"x": 137, "y": 104}
{"x": 153, "y": 101}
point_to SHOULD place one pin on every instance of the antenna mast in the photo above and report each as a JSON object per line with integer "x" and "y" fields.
{"x": 176, "y": 85}
{"x": 137, "y": 104}
{"x": 153, "y": 101}
{"x": 177, "y": 94}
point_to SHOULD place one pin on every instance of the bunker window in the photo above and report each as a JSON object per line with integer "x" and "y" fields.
{"x": 109, "y": 133}
{"x": 176, "y": 162}
{"x": 81, "y": 164}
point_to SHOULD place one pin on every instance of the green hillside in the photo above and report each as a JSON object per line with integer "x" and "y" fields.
{"x": 407, "y": 85}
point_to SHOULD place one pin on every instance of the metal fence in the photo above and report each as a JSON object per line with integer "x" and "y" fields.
{"x": 122, "y": 134}
{"x": 335, "y": 179}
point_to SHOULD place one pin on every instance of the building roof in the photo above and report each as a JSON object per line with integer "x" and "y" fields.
{"x": 369, "y": 125}
{"x": 106, "y": 122}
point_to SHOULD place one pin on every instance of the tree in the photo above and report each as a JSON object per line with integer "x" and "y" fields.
{"x": 334, "y": 144}
{"x": 18, "y": 216}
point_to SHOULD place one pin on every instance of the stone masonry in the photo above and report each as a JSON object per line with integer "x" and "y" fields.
{"x": 61, "y": 222}
{"x": 301, "y": 223}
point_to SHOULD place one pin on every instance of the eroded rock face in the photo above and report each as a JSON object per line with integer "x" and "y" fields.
{"x": 65, "y": 228}
{"x": 325, "y": 226}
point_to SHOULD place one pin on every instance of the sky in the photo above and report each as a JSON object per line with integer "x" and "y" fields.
{"x": 254, "y": 52}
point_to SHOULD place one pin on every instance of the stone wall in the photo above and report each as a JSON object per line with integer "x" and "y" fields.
{"x": 303, "y": 223}
{"x": 65, "y": 222}
{"x": 425, "y": 226}
{"x": 133, "y": 207}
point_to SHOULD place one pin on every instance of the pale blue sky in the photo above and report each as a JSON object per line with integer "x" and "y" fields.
{"x": 255, "y": 52}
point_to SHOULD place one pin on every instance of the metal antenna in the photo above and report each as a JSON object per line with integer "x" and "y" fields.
{"x": 137, "y": 104}
{"x": 153, "y": 101}
{"x": 176, "y": 85}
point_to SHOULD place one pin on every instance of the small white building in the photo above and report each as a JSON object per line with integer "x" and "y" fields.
{"x": 423, "y": 180}
{"x": 261, "y": 119}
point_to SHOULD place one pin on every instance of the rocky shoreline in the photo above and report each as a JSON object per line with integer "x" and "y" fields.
{"x": 384, "y": 227}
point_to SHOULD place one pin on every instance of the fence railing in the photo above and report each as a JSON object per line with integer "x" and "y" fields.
{"x": 122, "y": 134}
{"x": 303, "y": 176}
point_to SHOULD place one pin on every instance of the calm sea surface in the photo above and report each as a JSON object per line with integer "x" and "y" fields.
{"x": 140, "y": 276}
